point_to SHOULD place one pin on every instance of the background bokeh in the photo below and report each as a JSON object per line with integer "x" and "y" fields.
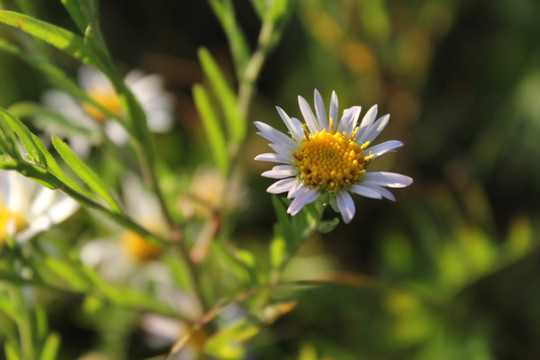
{"x": 451, "y": 269}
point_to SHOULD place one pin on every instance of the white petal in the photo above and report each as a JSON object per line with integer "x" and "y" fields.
{"x": 334, "y": 108}
{"x": 365, "y": 191}
{"x": 116, "y": 132}
{"x": 282, "y": 152}
{"x": 320, "y": 110}
{"x": 275, "y": 136}
{"x": 42, "y": 201}
{"x": 383, "y": 148}
{"x": 281, "y": 186}
{"x": 311, "y": 121}
{"x": 302, "y": 200}
{"x": 346, "y": 206}
{"x": 385, "y": 193}
{"x": 271, "y": 157}
{"x": 294, "y": 125}
{"x": 366, "y": 121}
{"x": 19, "y": 192}
{"x": 160, "y": 120}
{"x": 296, "y": 189}
{"x": 280, "y": 172}
{"x": 54, "y": 215}
{"x": 374, "y": 130}
{"x": 349, "y": 119}
{"x": 383, "y": 178}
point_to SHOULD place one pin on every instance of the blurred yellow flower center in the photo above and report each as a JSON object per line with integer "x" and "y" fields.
{"x": 107, "y": 99}
{"x": 6, "y": 219}
{"x": 330, "y": 161}
{"x": 138, "y": 248}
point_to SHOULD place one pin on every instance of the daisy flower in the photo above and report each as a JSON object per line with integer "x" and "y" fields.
{"x": 148, "y": 89}
{"x": 327, "y": 156}
{"x": 125, "y": 252}
{"x": 27, "y": 208}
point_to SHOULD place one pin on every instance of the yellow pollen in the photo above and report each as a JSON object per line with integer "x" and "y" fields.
{"x": 138, "y": 248}
{"x": 330, "y": 161}
{"x": 107, "y": 99}
{"x": 6, "y": 216}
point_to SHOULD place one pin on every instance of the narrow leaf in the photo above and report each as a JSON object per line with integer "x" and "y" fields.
{"x": 55, "y": 170}
{"x": 259, "y": 7}
{"x": 9, "y": 121}
{"x": 50, "y": 347}
{"x": 11, "y": 353}
{"x": 85, "y": 173}
{"x": 67, "y": 272}
{"x": 56, "y": 36}
{"x": 216, "y": 138}
{"x": 284, "y": 225}
{"x": 235, "y": 124}
{"x": 224, "y": 11}
{"x": 81, "y": 11}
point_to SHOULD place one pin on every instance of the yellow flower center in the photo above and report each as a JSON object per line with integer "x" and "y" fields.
{"x": 330, "y": 161}
{"x": 138, "y": 248}
{"x": 107, "y": 99}
{"x": 6, "y": 217}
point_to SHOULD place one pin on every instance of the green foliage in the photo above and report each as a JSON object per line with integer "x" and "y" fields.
{"x": 449, "y": 271}
{"x": 85, "y": 173}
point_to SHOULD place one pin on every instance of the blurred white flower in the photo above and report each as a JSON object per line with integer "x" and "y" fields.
{"x": 157, "y": 103}
{"x": 128, "y": 258}
{"x": 125, "y": 252}
{"x": 27, "y": 208}
{"x": 327, "y": 155}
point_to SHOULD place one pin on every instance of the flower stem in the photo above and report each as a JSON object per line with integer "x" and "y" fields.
{"x": 247, "y": 85}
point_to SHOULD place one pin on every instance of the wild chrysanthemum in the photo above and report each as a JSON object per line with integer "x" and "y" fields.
{"x": 327, "y": 156}
{"x": 26, "y": 208}
{"x": 149, "y": 90}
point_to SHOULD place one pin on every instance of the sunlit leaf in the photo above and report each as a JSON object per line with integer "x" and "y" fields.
{"x": 11, "y": 353}
{"x": 81, "y": 11}
{"x": 84, "y": 172}
{"x": 56, "y": 36}
{"x": 228, "y": 343}
{"x": 66, "y": 272}
{"x": 224, "y": 11}
{"x": 50, "y": 348}
{"x": 10, "y": 122}
{"x": 235, "y": 124}
{"x": 216, "y": 138}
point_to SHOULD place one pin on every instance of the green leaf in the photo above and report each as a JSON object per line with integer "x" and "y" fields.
{"x": 50, "y": 347}
{"x": 328, "y": 225}
{"x": 67, "y": 272}
{"x": 9, "y": 308}
{"x": 41, "y": 324}
{"x": 11, "y": 353}
{"x": 284, "y": 225}
{"x": 56, "y": 36}
{"x": 216, "y": 138}
{"x": 85, "y": 173}
{"x": 277, "y": 10}
{"x": 55, "y": 170}
{"x": 278, "y": 251}
{"x": 231, "y": 262}
{"x": 224, "y": 11}
{"x": 228, "y": 343}
{"x": 83, "y": 12}
{"x": 8, "y": 121}
{"x": 259, "y": 7}
{"x": 235, "y": 123}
